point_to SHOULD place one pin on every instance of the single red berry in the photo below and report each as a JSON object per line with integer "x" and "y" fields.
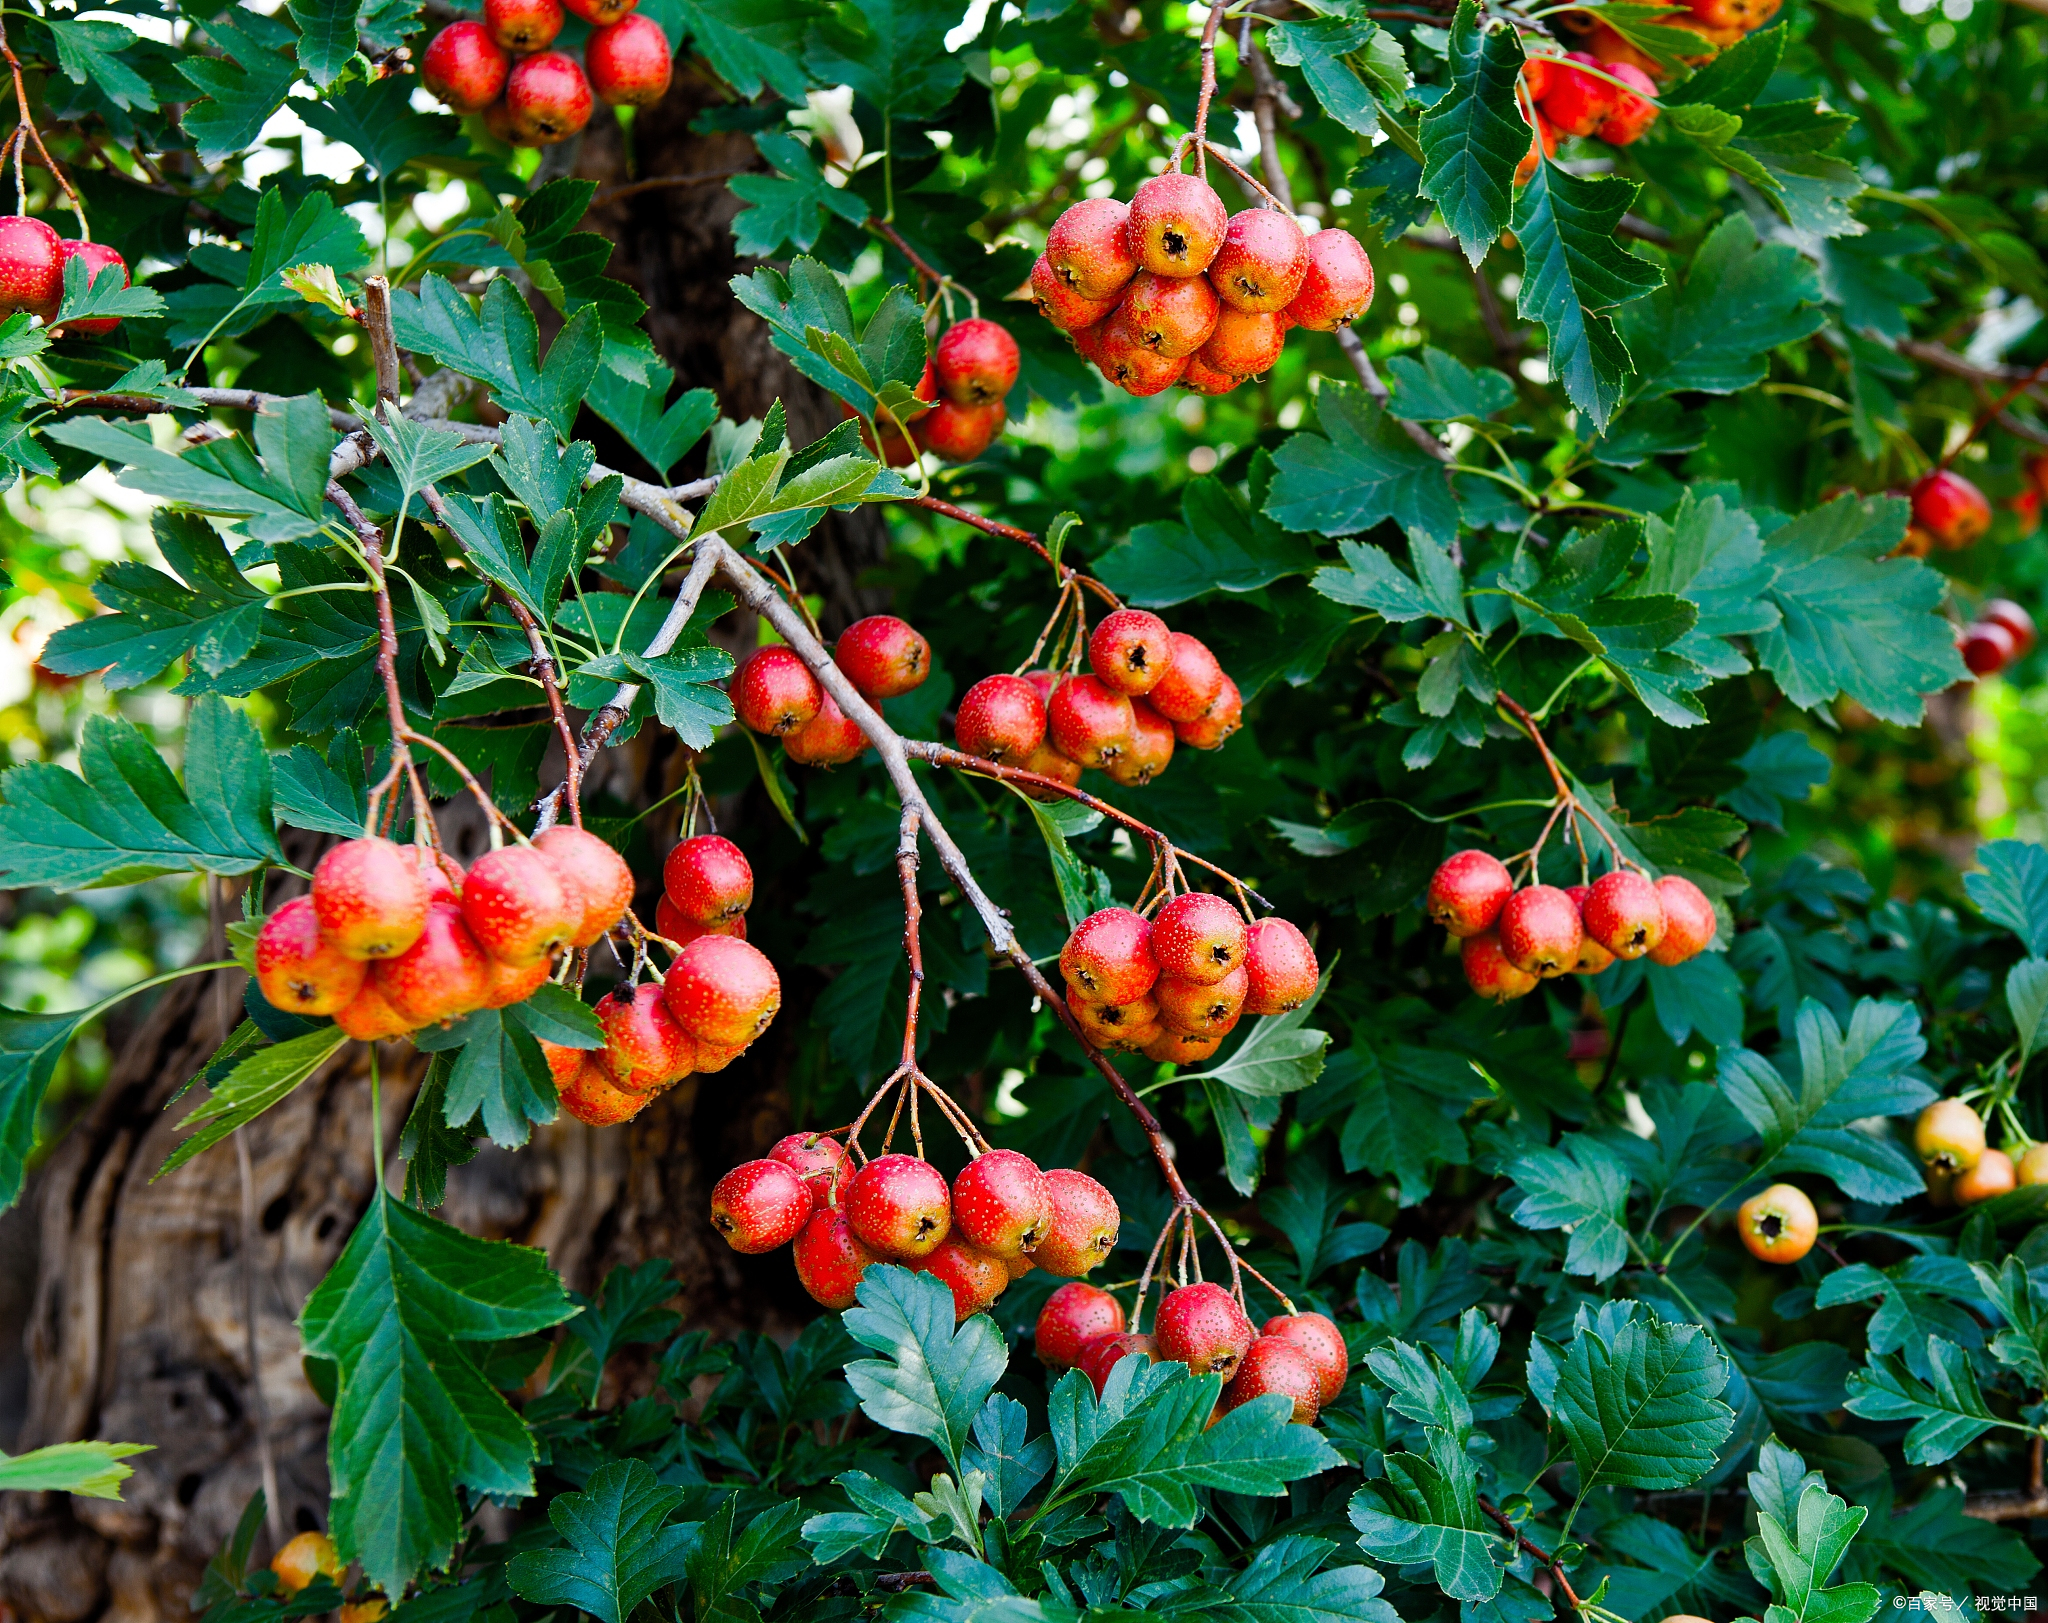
{"x": 1262, "y": 261}
{"x": 442, "y": 873}
{"x": 369, "y": 1017}
{"x": 1577, "y": 102}
{"x": 645, "y": 1046}
{"x": 1216, "y": 724}
{"x": 1689, "y": 922}
{"x": 1488, "y": 972}
{"x": 830, "y": 1260}
{"x": 1183, "y": 1047}
{"x": 1198, "y": 937}
{"x": 899, "y": 1207}
{"x": 1337, "y": 290}
{"x": 1112, "y": 1025}
{"x": 1622, "y": 912}
{"x": 708, "y": 879}
{"x": 670, "y": 923}
{"x": 299, "y": 969}
{"x": 548, "y": 97}
{"x": 1322, "y": 1342}
{"x": 1199, "y": 377}
{"x": 1089, "y": 248}
{"x": 506, "y": 984}
{"x": 1090, "y": 722}
{"x": 1002, "y": 1203}
{"x": 830, "y": 738}
{"x": 774, "y": 691}
{"x": 1084, "y": 1224}
{"x": 1203, "y": 1327}
{"x": 593, "y": 1098}
{"x": 1169, "y": 315}
{"x": 31, "y": 267}
{"x": 1467, "y": 892}
{"x": 724, "y": 991}
{"x": 1176, "y": 224}
{"x": 465, "y": 67}
{"x": 1120, "y": 355}
{"x": 1108, "y": 956}
{"x": 820, "y": 1161}
{"x": 1633, "y": 113}
{"x": 96, "y": 257}
{"x": 601, "y": 13}
{"x": 1191, "y": 683}
{"x": 1540, "y": 931}
{"x": 1987, "y": 648}
{"x": 1280, "y": 966}
{"x": 957, "y": 433}
{"x": 1245, "y": 343}
{"x": 1073, "y": 1316}
{"x": 523, "y": 25}
{"x": 1273, "y": 1366}
{"x": 1061, "y": 304}
{"x": 974, "y": 1277}
{"x": 1208, "y": 1009}
{"x": 714, "y": 1057}
{"x": 1945, "y": 504}
{"x": 1150, "y": 751}
{"x": 441, "y": 976}
{"x": 2005, "y": 612}
{"x": 976, "y": 362}
{"x": 1047, "y": 762}
{"x": 629, "y": 62}
{"x": 1130, "y": 651}
{"x": 590, "y": 871}
{"x": 760, "y": 1205}
{"x": 1002, "y": 718}
{"x": 883, "y": 656}
{"x": 370, "y": 898}
{"x": 1102, "y": 1355}
{"x": 1593, "y": 958}
{"x": 516, "y": 905}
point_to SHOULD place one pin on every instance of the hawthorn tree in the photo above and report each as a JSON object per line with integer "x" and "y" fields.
{"x": 1647, "y": 510}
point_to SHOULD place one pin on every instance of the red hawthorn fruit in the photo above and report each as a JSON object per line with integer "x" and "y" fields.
{"x": 1120, "y": 355}
{"x": 562, "y": 1062}
{"x": 516, "y": 905}
{"x": 1102, "y": 1355}
{"x": 1002, "y": 1204}
{"x": 1073, "y": 1316}
{"x": 774, "y": 691}
{"x": 1199, "y": 376}
{"x": 1280, "y": 968}
{"x": 465, "y": 67}
{"x": 1130, "y": 651}
{"x": 601, "y": 13}
{"x": 523, "y": 25}
{"x": 1632, "y": 114}
{"x": 441, "y": 976}
{"x": 370, "y": 898}
{"x": 2025, "y": 507}
{"x": 958, "y": 433}
{"x": 1191, "y": 683}
{"x": 1084, "y": 1224}
{"x": 1182, "y": 1047}
{"x": 830, "y": 738}
{"x": 645, "y": 1047}
{"x": 629, "y": 62}
{"x": 1488, "y": 972}
{"x": 595, "y": 1100}
{"x": 976, "y": 362}
{"x": 1262, "y": 262}
{"x": 1245, "y": 343}
{"x": 592, "y": 871}
{"x": 2005, "y": 612}
{"x": 1542, "y": 144}
{"x": 1208, "y": 1009}
{"x": 498, "y": 120}
{"x": 1169, "y": 315}
{"x": 830, "y": 1260}
{"x": 442, "y": 874}
{"x": 1176, "y": 224}
{"x": 1272, "y": 1366}
{"x": 300, "y": 970}
{"x": 883, "y": 656}
{"x": 1537, "y": 72}
{"x": 715, "y": 1057}
{"x": 820, "y": 1161}
{"x": 369, "y": 1017}
{"x": 1467, "y": 892}
{"x": 1198, "y": 937}
{"x": 1540, "y": 931}
{"x": 97, "y": 257}
{"x": 1203, "y": 1327}
{"x": 1061, "y": 303}
{"x": 1948, "y": 507}
{"x": 1622, "y": 913}
{"x": 1213, "y": 727}
{"x": 1577, "y": 102}
{"x": 1151, "y": 748}
{"x": 304, "y": 1557}
{"x": 1593, "y": 958}
{"x": 1337, "y": 288}
{"x": 760, "y": 1205}
{"x": 1322, "y": 1342}
{"x": 669, "y": 922}
{"x": 506, "y": 984}
{"x": 1002, "y": 718}
{"x": 899, "y": 1207}
{"x": 1108, "y": 956}
{"x": 1090, "y": 722}
{"x": 1737, "y": 16}
{"x": 724, "y": 991}
{"x": 1689, "y": 922}
{"x": 708, "y": 880}
{"x": 31, "y": 267}
{"x": 1111, "y": 1025}
{"x": 1048, "y": 762}
{"x": 1089, "y": 250}
{"x": 547, "y": 97}
{"x": 974, "y": 1277}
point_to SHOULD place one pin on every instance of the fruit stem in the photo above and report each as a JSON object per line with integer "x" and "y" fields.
{"x": 913, "y": 913}
{"x": 1208, "y": 92}
{"x": 1565, "y": 798}
{"x": 1550, "y": 1561}
{"x": 1068, "y": 575}
{"x": 1246, "y": 179}
{"x": 1990, "y": 414}
{"x": 889, "y": 234}
{"x": 26, "y": 131}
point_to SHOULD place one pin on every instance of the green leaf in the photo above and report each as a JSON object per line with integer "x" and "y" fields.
{"x": 1284, "y": 1584}
{"x": 933, "y": 1378}
{"x": 430, "y": 1146}
{"x": 414, "y": 1417}
{"x": 378, "y": 119}
{"x": 327, "y": 38}
{"x": 1319, "y": 47}
{"x": 893, "y": 53}
{"x": 2013, "y": 890}
{"x": 90, "y": 1469}
{"x": 684, "y": 698}
{"x": 1083, "y": 888}
{"x": 199, "y": 478}
{"x": 662, "y": 433}
{"x": 1426, "y": 1510}
{"x": 1474, "y": 137}
{"x": 1280, "y": 1054}
{"x": 2026, "y": 998}
{"x": 1308, "y": 1209}
{"x": 1712, "y": 556}
{"x": 499, "y": 345}
{"x": 1787, "y": 142}
{"x": 728, "y": 1556}
{"x": 106, "y": 294}
{"x": 327, "y": 796}
{"x": 252, "y": 1087}
{"x": 499, "y": 1073}
{"x": 752, "y": 44}
{"x": 1222, "y": 543}
{"x": 420, "y": 454}
{"x": 89, "y": 54}
{"x": 126, "y": 818}
{"x": 1573, "y": 270}
{"x": 1360, "y": 470}
{"x": 30, "y": 1046}
{"x": 621, "y": 1545}
{"x": 1798, "y": 1554}
{"x": 1440, "y": 388}
{"x": 240, "y": 91}
{"x": 1374, "y": 581}
{"x": 1009, "y": 1460}
{"x": 1638, "y": 25}
{"x": 1639, "y": 1402}
{"x": 2023, "y": 1303}
{"x": 1948, "y": 1410}
{"x": 1580, "y": 1185}
{"x": 557, "y": 1015}
{"x": 791, "y": 206}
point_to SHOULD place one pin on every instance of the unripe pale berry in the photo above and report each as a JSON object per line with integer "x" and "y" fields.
{"x": 1245, "y": 343}
{"x": 593, "y": 1098}
{"x": 1322, "y": 1342}
{"x": 441, "y": 976}
{"x": 369, "y": 1017}
{"x": 629, "y": 62}
{"x": 548, "y": 97}
{"x": 370, "y": 898}
{"x": 957, "y": 433}
{"x": 1073, "y": 1316}
{"x": 1209, "y": 1009}
{"x": 1540, "y": 931}
{"x": 774, "y": 691}
{"x": 1272, "y": 1367}
{"x": 1216, "y": 724}
{"x": 1203, "y": 1327}
{"x": 601, "y": 13}
{"x": 820, "y": 1161}
{"x": 645, "y": 1046}
{"x": 304, "y": 1557}
{"x": 1779, "y": 1224}
{"x": 299, "y": 969}
{"x": 1488, "y": 972}
{"x": 1001, "y": 718}
{"x": 1102, "y": 1355}
{"x": 899, "y": 1207}
{"x": 1198, "y": 937}
{"x": 708, "y": 879}
{"x": 1623, "y": 913}
{"x": 1949, "y": 1136}
{"x": 1150, "y": 751}
{"x": 1950, "y": 508}
{"x": 883, "y": 656}
{"x": 1262, "y": 262}
{"x": 517, "y": 906}
{"x": 1336, "y": 289}
{"x": 1191, "y": 683}
{"x": 1089, "y": 721}
{"x": 974, "y": 1277}
{"x": 1176, "y": 224}
{"x": 976, "y": 362}
{"x": 760, "y": 1205}
{"x": 1993, "y": 1175}
{"x": 1061, "y": 304}
{"x": 830, "y": 738}
{"x": 830, "y": 1260}
{"x": 523, "y": 25}
{"x": 1002, "y": 1203}
{"x": 1089, "y": 250}
{"x": 723, "y": 990}
{"x": 97, "y": 258}
{"x": 31, "y": 267}
{"x": 1084, "y": 1224}
{"x": 1130, "y": 651}
{"x": 1169, "y": 315}
{"x": 591, "y": 872}
{"x": 1108, "y": 956}
{"x": 1689, "y": 922}
{"x": 1280, "y": 967}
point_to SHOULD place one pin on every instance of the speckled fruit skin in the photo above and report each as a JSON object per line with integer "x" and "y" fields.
{"x": 442, "y": 875}
{"x": 976, "y": 362}
{"x": 830, "y": 1260}
{"x": 1130, "y": 651}
{"x": 760, "y": 1205}
{"x": 1073, "y": 1316}
{"x": 1150, "y": 751}
{"x": 1488, "y": 972}
{"x": 723, "y": 990}
{"x": 1689, "y": 922}
{"x": 370, "y": 898}
{"x": 708, "y": 879}
{"x": 1199, "y": 377}
{"x": 1002, "y": 1204}
{"x": 828, "y": 739}
{"x": 974, "y": 1277}
{"x": 562, "y": 1062}
{"x": 1089, "y": 721}
{"x": 1182, "y": 1047}
{"x": 1084, "y": 1224}
{"x": 299, "y": 969}
{"x": 601, "y": 13}
{"x": 1337, "y": 288}
{"x": 820, "y": 1161}
{"x": 369, "y": 1016}
{"x": 1262, "y": 261}
{"x": 1047, "y": 762}
{"x": 900, "y": 1207}
{"x": 31, "y": 267}
{"x": 548, "y": 97}
{"x": 1993, "y": 1175}
{"x": 304, "y": 1557}
{"x": 1191, "y": 683}
{"x": 465, "y": 67}
{"x": 1208, "y": 1009}
{"x": 774, "y": 691}
{"x": 1203, "y": 1327}
{"x": 645, "y": 1046}
{"x": 1120, "y": 355}
{"x": 1948, "y": 1136}
{"x": 1198, "y": 937}
{"x": 883, "y": 656}
{"x": 442, "y": 976}
{"x": 1110, "y": 1025}
{"x": 1214, "y": 727}
{"x": 957, "y": 433}
{"x": 1061, "y": 304}
{"x": 593, "y": 871}
{"x": 1101, "y": 1356}
{"x": 1176, "y": 224}
{"x": 506, "y": 984}
{"x": 1001, "y": 718}
{"x": 1170, "y": 315}
{"x": 516, "y": 905}
{"x": 1108, "y": 956}
{"x": 523, "y": 25}
{"x": 629, "y": 62}
{"x": 1779, "y": 1224}
{"x": 1089, "y": 249}
{"x": 1623, "y": 912}
{"x": 1245, "y": 343}
{"x": 1280, "y": 967}
{"x": 1540, "y": 931}
{"x": 97, "y": 257}
{"x": 671, "y": 923}
{"x": 1593, "y": 958}
{"x": 2003, "y": 611}
{"x": 1272, "y": 1366}
{"x": 1945, "y": 504}
{"x": 1321, "y": 1342}
{"x": 595, "y": 1100}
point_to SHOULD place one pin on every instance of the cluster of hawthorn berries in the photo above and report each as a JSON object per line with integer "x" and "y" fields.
{"x": 2001, "y": 633}
{"x": 970, "y": 374}
{"x": 1721, "y": 23}
{"x": 395, "y": 938}
{"x": 1172, "y": 288}
{"x": 1301, "y": 1356}
{"x": 774, "y": 691}
{"x": 1510, "y": 939}
{"x": 32, "y": 261}
{"x": 532, "y": 96}
{"x": 1569, "y": 100}
{"x": 1002, "y": 1217}
{"x": 1174, "y": 985}
{"x": 1151, "y": 688}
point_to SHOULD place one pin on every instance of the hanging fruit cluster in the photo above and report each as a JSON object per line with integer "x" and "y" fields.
{"x": 1151, "y": 687}
{"x": 32, "y": 261}
{"x": 2001, "y": 633}
{"x": 971, "y": 372}
{"x": 396, "y": 938}
{"x": 1569, "y": 100}
{"x": 530, "y": 95}
{"x": 1512, "y": 938}
{"x": 1721, "y": 23}
{"x": 1172, "y": 288}
{"x": 774, "y": 691}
